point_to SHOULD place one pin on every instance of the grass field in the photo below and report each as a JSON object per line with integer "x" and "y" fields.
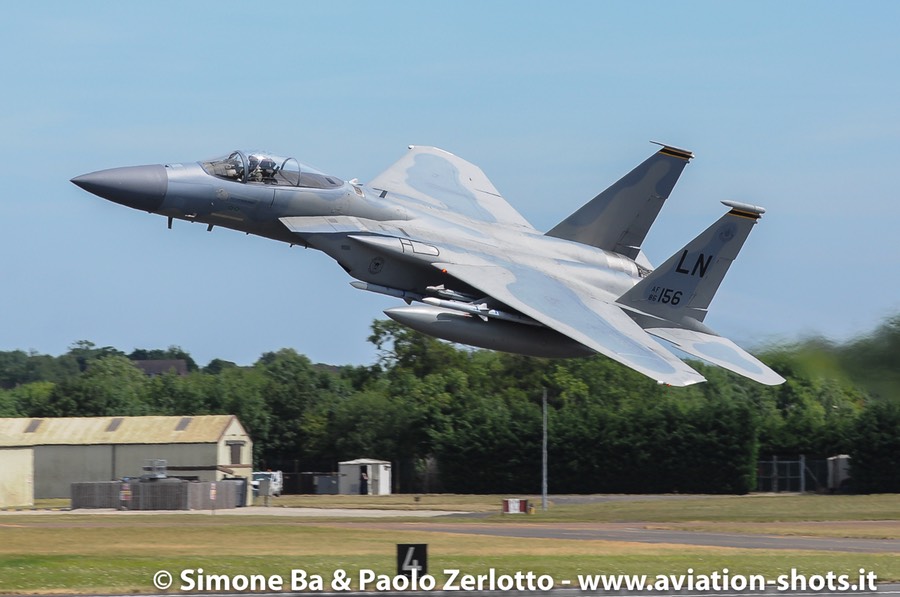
{"x": 77, "y": 552}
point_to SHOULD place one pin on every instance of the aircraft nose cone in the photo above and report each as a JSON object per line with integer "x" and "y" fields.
{"x": 140, "y": 187}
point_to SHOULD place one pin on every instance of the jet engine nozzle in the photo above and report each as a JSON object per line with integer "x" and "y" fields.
{"x": 140, "y": 187}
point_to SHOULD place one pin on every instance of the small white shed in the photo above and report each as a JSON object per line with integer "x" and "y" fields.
{"x": 364, "y": 476}
{"x": 838, "y": 472}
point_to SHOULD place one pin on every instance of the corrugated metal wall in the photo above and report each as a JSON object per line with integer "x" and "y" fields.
{"x": 159, "y": 495}
{"x": 56, "y": 467}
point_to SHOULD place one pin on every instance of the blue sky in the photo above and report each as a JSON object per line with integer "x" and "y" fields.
{"x": 793, "y": 106}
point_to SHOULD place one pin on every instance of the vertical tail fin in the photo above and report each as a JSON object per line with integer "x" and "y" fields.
{"x": 672, "y": 301}
{"x": 681, "y": 289}
{"x": 618, "y": 218}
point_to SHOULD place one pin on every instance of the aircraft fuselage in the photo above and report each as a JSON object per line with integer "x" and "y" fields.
{"x": 191, "y": 194}
{"x": 394, "y": 265}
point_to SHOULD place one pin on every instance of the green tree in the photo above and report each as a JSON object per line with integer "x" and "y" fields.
{"x": 292, "y": 387}
{"x": 873, "y": 361}
{"x": 18, "y": 367}
{"x": 31, "y": 398}
{"x": 241, "y": 393}
{"x": 401, "y": 348}
{"x": 111, "y": 385}
{"x": 173, "y": 353}
{"x": 216, "y": 366}
{"x": 173, "y": 394}
{"x": 8, "y": 405}
{"x": 875, "y": 452}
{"x": 85, "y": 351}
{"x": 491, "y": 446}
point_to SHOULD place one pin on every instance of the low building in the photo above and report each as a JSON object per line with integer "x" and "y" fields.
{"x": 79, "y": 449}
{"x": 161, "y": 367}
{"x": 364, "y": 476}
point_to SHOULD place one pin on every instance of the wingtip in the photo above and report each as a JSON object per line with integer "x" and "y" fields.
{"x": 675, "y": 152}
{"x": 773, "y": 379}
{"x": 430, "y": 149}
{"x": 682, "y": 383}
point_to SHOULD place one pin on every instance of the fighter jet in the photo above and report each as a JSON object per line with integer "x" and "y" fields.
{"x": 433, "y": 231}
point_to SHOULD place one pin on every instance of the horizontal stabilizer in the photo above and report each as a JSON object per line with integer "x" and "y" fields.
{"x": 719, "y": 351}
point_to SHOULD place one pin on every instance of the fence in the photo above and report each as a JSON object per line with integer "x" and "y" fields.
{"x": 159, "y": 495}
{"x": 95, "y": 495}
{"x": 796, "y": 475}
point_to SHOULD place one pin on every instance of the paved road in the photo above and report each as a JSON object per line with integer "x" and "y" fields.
{"x": 635, "y": 533}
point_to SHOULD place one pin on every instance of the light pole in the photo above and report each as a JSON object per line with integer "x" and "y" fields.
{"x": 544, "y": 455}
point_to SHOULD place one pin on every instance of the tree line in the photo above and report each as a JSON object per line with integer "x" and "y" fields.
{"x": 460, "y": 420}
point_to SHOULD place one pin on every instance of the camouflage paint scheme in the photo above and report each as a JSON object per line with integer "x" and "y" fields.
{"x": 433, "y": 231}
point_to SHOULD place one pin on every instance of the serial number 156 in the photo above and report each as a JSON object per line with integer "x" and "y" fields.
{"x": 667, "y": 296}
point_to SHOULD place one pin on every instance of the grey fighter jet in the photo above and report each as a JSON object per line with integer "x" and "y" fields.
{"x": 433, "y": 231}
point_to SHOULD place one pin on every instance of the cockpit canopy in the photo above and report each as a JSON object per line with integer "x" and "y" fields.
{"x": 262, "y": 167}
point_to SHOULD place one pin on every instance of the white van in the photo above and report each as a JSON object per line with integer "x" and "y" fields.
{"x": 276, "y": 482}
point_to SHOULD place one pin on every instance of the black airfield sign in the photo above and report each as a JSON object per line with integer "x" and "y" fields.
{"x": 412, "y": 557}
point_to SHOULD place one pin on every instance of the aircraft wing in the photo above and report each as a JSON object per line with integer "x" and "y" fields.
{"x": 428, "y": 176}
{"x": 570, "y": 309}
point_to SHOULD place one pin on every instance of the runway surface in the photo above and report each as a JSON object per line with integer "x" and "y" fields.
{"x": 635, "y": 533}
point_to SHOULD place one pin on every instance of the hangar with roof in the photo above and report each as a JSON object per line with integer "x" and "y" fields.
{"x": 42, "y": 457}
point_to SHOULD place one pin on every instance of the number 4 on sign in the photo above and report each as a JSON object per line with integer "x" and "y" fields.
{"x": 412, "y": 558}
{"x": 410, "y": 563}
